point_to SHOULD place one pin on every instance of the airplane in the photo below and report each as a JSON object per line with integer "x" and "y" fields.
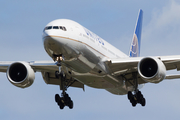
{"x": 80, "y": 57}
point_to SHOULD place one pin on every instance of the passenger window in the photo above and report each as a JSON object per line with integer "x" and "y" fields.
{"x": 55, "y": 27}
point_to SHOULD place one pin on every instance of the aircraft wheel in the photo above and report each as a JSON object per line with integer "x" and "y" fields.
{"x": 134, "y": 103}
{"x": 61, "y": 106}
{"x": 57, "y": 98}
{"x": 143, "y": 101}
{"x": 66, "y": 96}
{"x": 71, "y": 105}
{"x": 130, "y": 95}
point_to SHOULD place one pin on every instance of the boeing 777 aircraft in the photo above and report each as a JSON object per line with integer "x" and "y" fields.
{"x": 80, "y": 57}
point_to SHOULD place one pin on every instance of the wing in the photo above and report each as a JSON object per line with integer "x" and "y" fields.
{"x": 47, "y": 68}
{"x": 126, "y": 66}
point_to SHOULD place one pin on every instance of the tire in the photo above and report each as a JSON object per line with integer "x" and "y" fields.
{"x": 67, "y": 100}
{"x": 61, "y": 106}
{"x": 143, "y": 101}
{"x": 71, "y": 105}
{"x": 130, "y": 95}
{"x": 66, "y": 96}
{"x": 57, "y": 98}
{"x": 134, "y": 103}
{"x": 139, "y": 95}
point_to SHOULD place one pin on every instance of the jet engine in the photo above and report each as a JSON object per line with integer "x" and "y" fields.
{"x": 152, "y": 70}
{"x": 20, "y": 74}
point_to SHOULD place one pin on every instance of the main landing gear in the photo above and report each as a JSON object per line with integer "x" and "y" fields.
{"x": 64, "y": 99}
{"x": 137, "y": 97}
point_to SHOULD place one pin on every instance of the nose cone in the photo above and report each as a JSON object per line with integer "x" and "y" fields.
{"x": 52, "y": 42}
{"x": 56, "y": 37}
{"x": 52, "y": 37}
{"x": 47, "y": 33}
{"x": 47, "y": 37}
{"x": 52, "y": 46}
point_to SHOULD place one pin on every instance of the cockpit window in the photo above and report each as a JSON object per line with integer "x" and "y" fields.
{"x": 49, "y": 27}
{"x": 62, "y": 28}
{"x": 55, "y": 27}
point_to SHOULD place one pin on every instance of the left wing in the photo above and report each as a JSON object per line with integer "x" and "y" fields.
{"x": 129, "y": 65}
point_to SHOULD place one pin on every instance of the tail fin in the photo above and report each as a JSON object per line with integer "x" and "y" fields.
{"x": 136, "y": 41}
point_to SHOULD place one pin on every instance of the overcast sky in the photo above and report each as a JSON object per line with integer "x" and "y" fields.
{"x": 21, "y": 25}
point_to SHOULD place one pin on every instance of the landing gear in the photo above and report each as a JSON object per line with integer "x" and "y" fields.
{"x": 64, "y": 100}
{"x": 137, "y": 97}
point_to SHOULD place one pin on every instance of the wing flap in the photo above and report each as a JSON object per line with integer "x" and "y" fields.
{"x": 49, "y": 78}
{"x": 171, "y": 62}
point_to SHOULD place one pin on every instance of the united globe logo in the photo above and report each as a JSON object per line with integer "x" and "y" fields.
{"x": 134, "y": 47}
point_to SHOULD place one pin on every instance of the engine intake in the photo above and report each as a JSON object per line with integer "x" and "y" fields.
{"x": 20, "y": 74}
{"x": 152, "y": 70}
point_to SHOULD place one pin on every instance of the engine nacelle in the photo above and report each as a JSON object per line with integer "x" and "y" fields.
{"x": 20, "y": 74}
{"x": 152, "y": 70}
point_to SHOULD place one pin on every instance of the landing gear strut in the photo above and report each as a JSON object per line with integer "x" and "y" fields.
{"x": 137, "y": 97}
{"x": 64, "y": 100}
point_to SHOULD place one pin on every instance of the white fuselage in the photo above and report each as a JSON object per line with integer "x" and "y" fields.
{"x": 84, "y": 53}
